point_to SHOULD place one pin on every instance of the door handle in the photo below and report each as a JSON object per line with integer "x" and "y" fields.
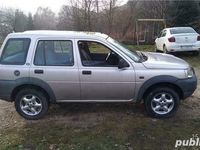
{"x": 38, "y": 71}
{"x": 86, "y": 72}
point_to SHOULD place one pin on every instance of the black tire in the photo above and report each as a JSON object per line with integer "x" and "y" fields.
{"x": 151, "y": 95}
{"x": 42, "y": 99}
{"x": 195, "y": 53}
{"x": 159, "y": 51}
{"x": 156, "y": 49}
{"x": 165, "y": 49}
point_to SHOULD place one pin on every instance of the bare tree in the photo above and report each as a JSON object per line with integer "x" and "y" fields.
{"x": 7, "y": 17}
{"x": 20, "y": 21}
{"x": 83, "y": 12}
{"x": 65, "y": 19}
{"x": 156, "y": 9}
{"x": 30, "y": 25}
{"x": 78, "y": 15}
{"x": 109, "y": 10}
{"x": 44, "y": 19}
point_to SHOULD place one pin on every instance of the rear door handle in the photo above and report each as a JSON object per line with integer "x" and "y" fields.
{"x": 38, "y": 71}
{"x": 86, "y": 72}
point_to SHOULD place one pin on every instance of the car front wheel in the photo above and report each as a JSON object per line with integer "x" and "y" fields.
{"x": 162, "y": 102}
{"x": 31, "y": 104}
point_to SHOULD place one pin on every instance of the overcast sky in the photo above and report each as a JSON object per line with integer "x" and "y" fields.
{"x": 32, "y": 5}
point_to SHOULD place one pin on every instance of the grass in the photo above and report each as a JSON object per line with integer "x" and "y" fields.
{"x": 148, "y": 48}
{"x": 113, "y": 133}
{"x": 104, "y": 127}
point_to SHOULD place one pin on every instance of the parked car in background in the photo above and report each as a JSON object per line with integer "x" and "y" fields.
{"x": 39, "y": 68}
{"x": 178, "y": 39}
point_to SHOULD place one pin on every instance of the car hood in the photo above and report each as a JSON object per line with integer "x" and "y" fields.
{"x": 164, "y": 61}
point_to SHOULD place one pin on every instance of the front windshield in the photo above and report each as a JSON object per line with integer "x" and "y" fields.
{"x": 132, "y": 54}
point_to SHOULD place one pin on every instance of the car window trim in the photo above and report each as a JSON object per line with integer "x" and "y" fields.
{"x": 164, "y": 33}
{"x": 3, "y": 51}
{"x": 37, "y": 43}
{"x": 88, "y": 40}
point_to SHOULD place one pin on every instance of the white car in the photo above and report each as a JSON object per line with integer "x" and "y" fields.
{"x": 178, "y": 39}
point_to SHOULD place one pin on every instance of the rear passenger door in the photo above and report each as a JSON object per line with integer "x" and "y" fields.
{"x": 55, "y": 64}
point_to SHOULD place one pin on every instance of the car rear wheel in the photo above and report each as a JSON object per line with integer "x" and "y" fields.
{"x": 165, "y": 49}
{"x": 162, "y": 102}
{"x": 156, "y": 49}
{"x": 31, "y": 104}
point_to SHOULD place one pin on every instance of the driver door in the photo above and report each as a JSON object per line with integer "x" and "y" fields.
{"x": 100, "y": 78}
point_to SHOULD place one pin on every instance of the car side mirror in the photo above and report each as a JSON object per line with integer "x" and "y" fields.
{"x": 122, "y": 64}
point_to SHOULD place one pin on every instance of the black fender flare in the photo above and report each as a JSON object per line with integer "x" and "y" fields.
{"x": 155, "y": 80}
{"x": 36, "y": 82}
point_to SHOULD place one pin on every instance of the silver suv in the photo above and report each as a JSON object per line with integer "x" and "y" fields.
{"x": 39, "y": 68}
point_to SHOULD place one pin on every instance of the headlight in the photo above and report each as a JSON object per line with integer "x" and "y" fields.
{"x": 189, "y": 72}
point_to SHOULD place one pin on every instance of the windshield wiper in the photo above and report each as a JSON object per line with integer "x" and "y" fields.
{"x": 142, "y": 56}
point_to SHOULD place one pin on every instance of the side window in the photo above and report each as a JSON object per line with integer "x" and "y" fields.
{"x": 54, "y": 53}
{"x": 15, "y": 51}
{"x": 97, "y": 54}
{"x": 160, "y": 34}
{"x": 96, "y": 48}
{"x": 164, "y": 33}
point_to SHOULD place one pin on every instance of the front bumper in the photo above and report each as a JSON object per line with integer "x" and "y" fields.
{"x": 188, "y": 86}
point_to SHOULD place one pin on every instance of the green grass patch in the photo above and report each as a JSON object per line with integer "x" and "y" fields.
{"x": 110, "y": 134}
{"x": 148, "y": 48}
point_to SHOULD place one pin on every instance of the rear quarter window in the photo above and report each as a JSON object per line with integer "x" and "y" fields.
{"x": 182, "y": 30}
{"x": 15, "y": 51}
